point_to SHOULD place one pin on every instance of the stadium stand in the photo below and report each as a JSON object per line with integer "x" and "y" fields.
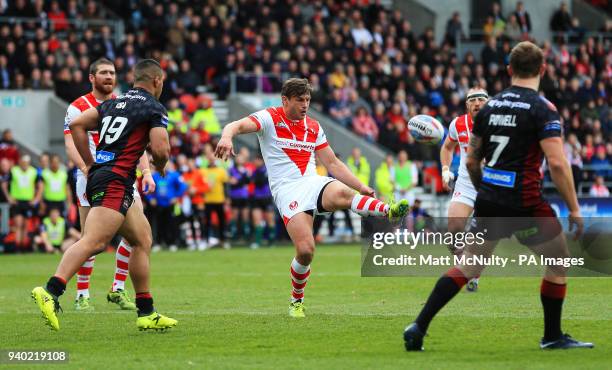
{"x": 369, "y": 69}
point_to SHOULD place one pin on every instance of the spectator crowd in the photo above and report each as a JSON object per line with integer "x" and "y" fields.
{"x": 370, "y": 72}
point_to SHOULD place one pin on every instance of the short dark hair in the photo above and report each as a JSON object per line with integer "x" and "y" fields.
{"x": 93, "y": 68}
{"x": 296, "y": 87}
{"x": 526, "y": 59}
{"x": 146, "y": 70}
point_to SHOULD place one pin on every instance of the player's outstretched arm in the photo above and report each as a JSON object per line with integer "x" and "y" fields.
{"x": 160, "y": 148}
{"x": 87, "y": 121}
{"x": 474, "y": 160}
{"x": 340, "y": 171}
{"x": 562, "y": 177}
{"x": 446, "y": 157}
{"x": 225, "y": 146}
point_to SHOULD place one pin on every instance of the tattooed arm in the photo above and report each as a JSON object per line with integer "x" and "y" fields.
{"x": 474, "y": 160}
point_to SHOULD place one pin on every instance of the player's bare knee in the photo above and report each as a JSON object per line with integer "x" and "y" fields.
{"x": 304, "y": 258}
{"x": 564, "y": 253}
{"x": 347, "y": 196}
{"x": 305, "y": 252}
{"x": 456, "y": 225}
{"x": 145, "y": 241}
{"x": 94, "y": 246}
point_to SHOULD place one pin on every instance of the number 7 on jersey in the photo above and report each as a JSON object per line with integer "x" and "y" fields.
{"x": 501, "y": 141}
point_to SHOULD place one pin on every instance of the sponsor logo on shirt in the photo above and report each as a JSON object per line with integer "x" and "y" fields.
{"x": 552, "y": 126}
{"x": 128, "y": 95}
{"x": 508, "y": 103}
{"x": 499, "y": 177}
{"x": 103, "y": 156}
{"x": 293, "y": 144}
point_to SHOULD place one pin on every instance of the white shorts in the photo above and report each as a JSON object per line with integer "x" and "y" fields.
{"x": 464, "y": 192}
{"x": 299, "y": 196}
{"x": 81, "y": 186}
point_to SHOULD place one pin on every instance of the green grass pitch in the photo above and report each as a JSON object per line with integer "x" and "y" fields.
{"x": 232, "y": 312}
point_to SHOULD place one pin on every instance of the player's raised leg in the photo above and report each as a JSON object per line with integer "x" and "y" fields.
{"x": 299, "y": 228}
{"x": 137, "y": 231}
{"x": 337, "y": 196}
{"x": 94, "y": 240}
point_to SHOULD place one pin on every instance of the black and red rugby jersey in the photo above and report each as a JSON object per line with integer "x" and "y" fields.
{"x": 511, "y": 126}
{"x": 124, "y": 126}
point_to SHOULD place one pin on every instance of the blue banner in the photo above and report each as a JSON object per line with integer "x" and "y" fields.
{"x": 589, "y": 207}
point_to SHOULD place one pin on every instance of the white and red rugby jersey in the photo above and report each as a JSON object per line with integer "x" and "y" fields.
{"x": 288, "y": 147}
{"x": 460, "y": 131}
{"x": 77, "y": 107}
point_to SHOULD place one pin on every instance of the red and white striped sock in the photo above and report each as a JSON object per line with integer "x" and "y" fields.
{"x": 364, "y": 205}
{"x": 299, "y": 278}
{"x": 83, "y": 276}
{"x": 122, "y": 259}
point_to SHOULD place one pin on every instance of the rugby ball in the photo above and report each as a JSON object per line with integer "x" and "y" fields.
{"x": 426, "y": 129}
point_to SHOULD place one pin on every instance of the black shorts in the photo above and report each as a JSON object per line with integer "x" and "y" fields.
{"x": 109, "y": 190}
{"x": 265, "y": 204}
{"x": 23, "y": 208}
{"x": 531, "y": 226}
{"x": 239, "y": 203}
{"x": 60, "y": 206}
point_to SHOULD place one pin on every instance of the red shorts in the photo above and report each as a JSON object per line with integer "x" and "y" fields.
{"x": 531, "y": 226}
{"x": 109, "y": 190}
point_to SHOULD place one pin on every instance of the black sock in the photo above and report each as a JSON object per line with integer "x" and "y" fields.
{"x": 144, "y": 302}
{"x": 552, "y": 296}
{"x": 56, "y": 286}
{"x": 446, "y": 288}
